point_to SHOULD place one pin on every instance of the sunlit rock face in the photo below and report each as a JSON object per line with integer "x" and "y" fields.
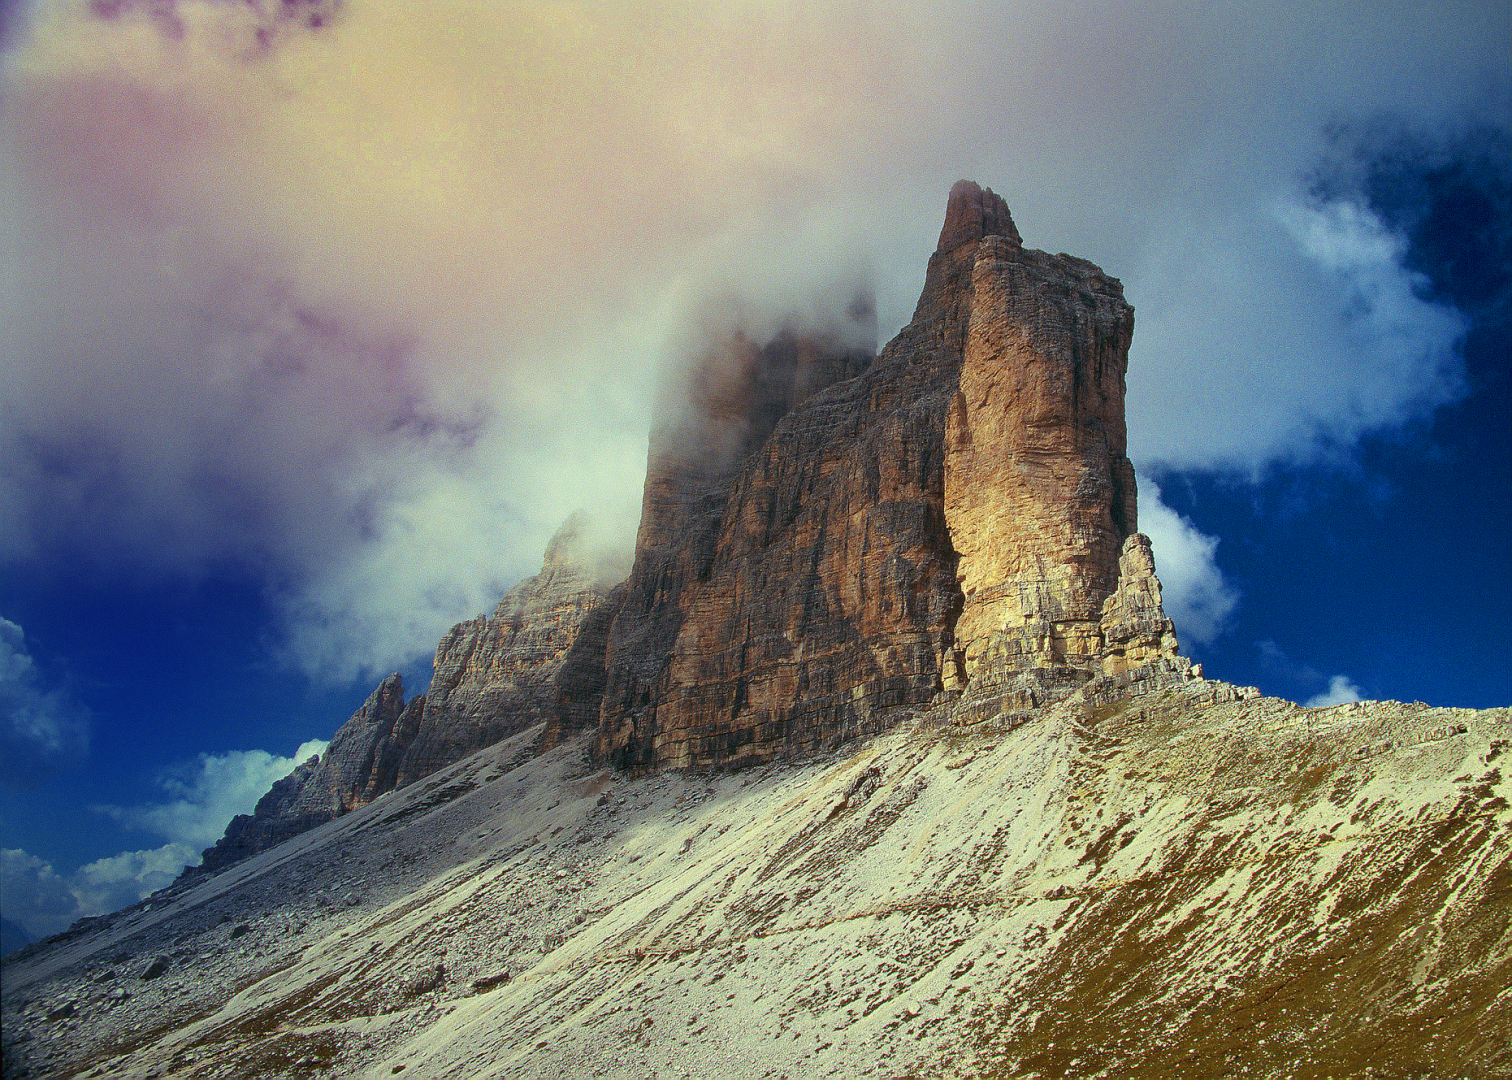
{"x": 1134, "y": 625}
{"x": 962, "y": 502}
{"x": 1039, "y": 494}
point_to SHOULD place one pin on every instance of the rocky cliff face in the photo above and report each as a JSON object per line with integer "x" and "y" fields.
{"x": 735, "y": 396}
{"x": 499, "y": 675}
{"x": 825, "y": 540}
{"x": 358, "y": 765}
{"x": 961, "y": 503}
{"x": 538, "y": 658}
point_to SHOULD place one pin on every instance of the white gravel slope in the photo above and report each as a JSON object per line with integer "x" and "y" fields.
{"x": 1165, "y": 890}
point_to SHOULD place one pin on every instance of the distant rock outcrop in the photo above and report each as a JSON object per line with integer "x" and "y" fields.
{"x": 499, "y": 675}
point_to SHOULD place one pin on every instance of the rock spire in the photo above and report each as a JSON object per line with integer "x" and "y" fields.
{"x": 954, "y": 513}
{"x": 973, "y": 212}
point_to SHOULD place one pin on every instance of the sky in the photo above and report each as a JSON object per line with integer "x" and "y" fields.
{"x": 316, "y": 318}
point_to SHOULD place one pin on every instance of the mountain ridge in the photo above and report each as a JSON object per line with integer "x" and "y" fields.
{"x": 1160, "y": 886}
{"x": 883, "y": 761}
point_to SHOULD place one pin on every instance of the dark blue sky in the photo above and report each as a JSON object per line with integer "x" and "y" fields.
{"x": 1394, "y": 567}
{"x": 166, "y": 672}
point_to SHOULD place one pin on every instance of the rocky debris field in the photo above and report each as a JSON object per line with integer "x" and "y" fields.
{"x": 1158, "y": 887}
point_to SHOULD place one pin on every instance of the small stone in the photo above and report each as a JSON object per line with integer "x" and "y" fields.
{"x": 158, "y": 966}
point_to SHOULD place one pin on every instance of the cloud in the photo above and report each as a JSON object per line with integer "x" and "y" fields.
{"x": 1341, "y": 690}
{"x": 1337, "y": 690}
{"x": 41, "y": 726}
{"x": 1198, "y": 598}
{"x": 45, "y": 902}
{"x": 365, "y": 312}
{"x": 206, "y": 794}
{"x": 1284, "y": 337}
{"x": 34, "y": 895}
{"x": 203, "y": 797}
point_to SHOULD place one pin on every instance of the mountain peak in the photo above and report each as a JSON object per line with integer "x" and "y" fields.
{"x": 569, "y": 544}
{"x": 973, "y": 212}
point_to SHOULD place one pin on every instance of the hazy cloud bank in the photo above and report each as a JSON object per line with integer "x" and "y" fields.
{"x": 367, "y": 303}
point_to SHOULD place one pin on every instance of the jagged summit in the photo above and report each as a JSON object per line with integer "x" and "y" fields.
{"x": 538, "y": 659}
{"x": 973, "y": 212}
{"x": 956, "y": 513}
{"x": 569, "y": 545}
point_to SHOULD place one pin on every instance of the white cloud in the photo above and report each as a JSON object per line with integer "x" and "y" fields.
{"x": 207, "y": 793}
{"x": 41, "y": 727}
{"x": 119, "y": 880}
{"x": 1282, "y": 333}
{"x": 1341, "y": 690}
{"x": 45, "y": 902}
{"x": 1197, "y": 597}
{"x": 370, "y": 312}
{"x": 204, "y": 796}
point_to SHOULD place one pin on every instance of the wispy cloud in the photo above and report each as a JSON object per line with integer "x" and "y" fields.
{"x": 42, "y": 725}
{"x": 202, "y": 798}
{"x": 1337, "y": 690}
{"x": 45, "y": 902}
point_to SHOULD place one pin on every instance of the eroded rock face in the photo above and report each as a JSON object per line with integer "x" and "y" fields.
{"x": 955, "y": 511}
{"x": 736, "y": 395}
{"x": 497, "y": 676}
{"x": 360, "y": 764}
{"x": 825, "y": 539}
{"x": 1039, "y": 495}
{"x": 1134, "y": 625}
{"x": 539, "y": 657}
